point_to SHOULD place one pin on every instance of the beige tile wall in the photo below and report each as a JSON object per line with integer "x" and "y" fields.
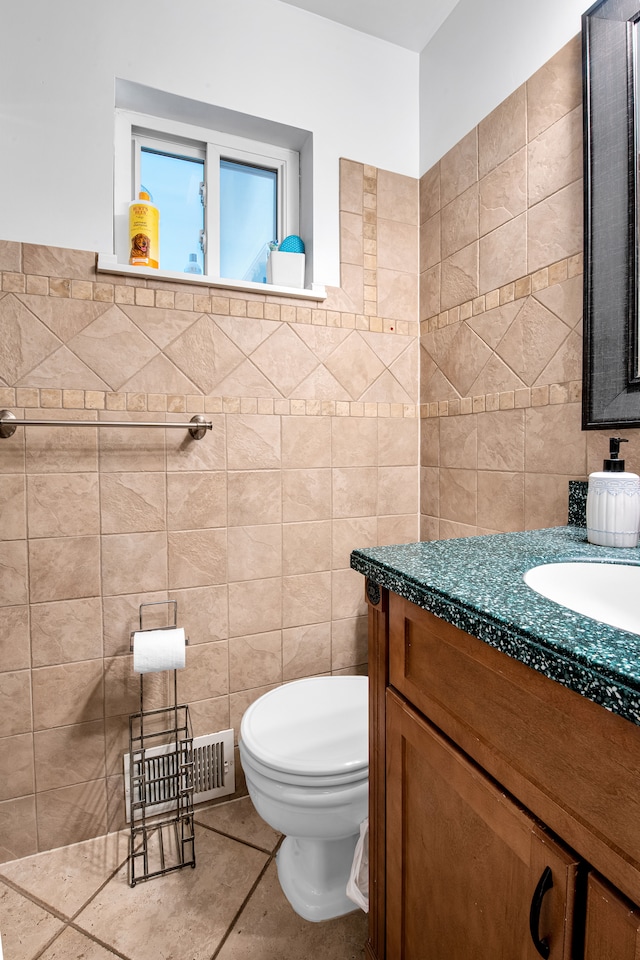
{"x": 314, "y": 451}
{"x": 501, "y": 316}
{"x": 315, "y": 409}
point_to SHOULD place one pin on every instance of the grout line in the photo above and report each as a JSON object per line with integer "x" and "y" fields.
{"x": 106, "y": 946}
{"x": 73, "y": 923}
{"x": 99, "y": 889}
{"x": 49, "y": 942}
{"x": 44, "y": 905}
{"x": 102, "y": 943}
{"x": 246, "y": 900}
{"x": 36, "y": 900}
{"x": 230, "y": 836}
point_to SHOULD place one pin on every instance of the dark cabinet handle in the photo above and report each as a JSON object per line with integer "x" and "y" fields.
{"x": 544, "y": 883}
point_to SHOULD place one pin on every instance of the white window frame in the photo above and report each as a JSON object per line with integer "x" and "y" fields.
{"x": 134, "y": 129}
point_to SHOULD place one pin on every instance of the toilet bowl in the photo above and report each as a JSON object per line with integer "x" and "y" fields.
{"x": 305, "y": 754}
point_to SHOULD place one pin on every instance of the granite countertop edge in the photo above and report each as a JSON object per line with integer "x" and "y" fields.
{"x": 476, "y": 584}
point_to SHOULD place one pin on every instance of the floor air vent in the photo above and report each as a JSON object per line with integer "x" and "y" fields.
{"x": 213, "y": 773}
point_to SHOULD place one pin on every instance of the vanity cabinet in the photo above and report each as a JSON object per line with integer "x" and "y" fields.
{"x": 505, "y": 808}
{"x": 612, "y": 926}
{"x": 489, "y": 862}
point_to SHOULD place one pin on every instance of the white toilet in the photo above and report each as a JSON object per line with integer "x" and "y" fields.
{"x": 305, "y": 753}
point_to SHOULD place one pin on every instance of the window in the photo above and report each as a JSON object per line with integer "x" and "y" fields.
{"x": 248, "y": 219}
{"x": 173, "y": 176}
{"x": 222, "y": 198}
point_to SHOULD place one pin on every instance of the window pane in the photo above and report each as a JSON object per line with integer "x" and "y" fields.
{"x": 247, "y": 220}
{"x": 173, "y": 183}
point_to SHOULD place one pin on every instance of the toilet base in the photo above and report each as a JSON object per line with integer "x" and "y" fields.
{"x": 313, "y": 875}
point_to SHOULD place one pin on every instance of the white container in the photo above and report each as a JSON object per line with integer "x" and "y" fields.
{"x": 613, "y": 503}
{"x": 285, "y": 269}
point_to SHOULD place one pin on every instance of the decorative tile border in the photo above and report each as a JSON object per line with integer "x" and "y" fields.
{"x": 547, "y": 395}
{"x": 370, "y": 239}
{"x": 234, "y": 306}
{"x": 555, "y": 393}
{"x": 48, "y": 399}
{"x": 517, "y": 290}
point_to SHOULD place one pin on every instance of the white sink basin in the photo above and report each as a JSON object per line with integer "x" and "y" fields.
{"x": 608, "y": 592}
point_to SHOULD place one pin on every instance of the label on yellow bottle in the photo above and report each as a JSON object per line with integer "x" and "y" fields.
{"x": 144, "y": 229}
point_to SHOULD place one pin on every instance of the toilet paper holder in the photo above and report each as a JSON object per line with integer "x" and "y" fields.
{"x": 160, "y": 772}
{"x": 156, "y": 603}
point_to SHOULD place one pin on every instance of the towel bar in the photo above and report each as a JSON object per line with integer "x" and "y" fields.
{"x": 197, "y": 426}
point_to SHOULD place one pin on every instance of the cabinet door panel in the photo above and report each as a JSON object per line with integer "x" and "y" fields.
{"x": 613, "y": 924}
{"x": 582, "y": 784}
{"x": 463, "y": 859}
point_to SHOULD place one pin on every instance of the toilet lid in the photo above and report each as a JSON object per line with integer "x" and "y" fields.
{"x": 317, "y": 726}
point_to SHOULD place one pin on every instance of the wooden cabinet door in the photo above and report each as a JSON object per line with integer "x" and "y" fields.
{"x": 463, "y": 859}
{"x": 613, "y": 924}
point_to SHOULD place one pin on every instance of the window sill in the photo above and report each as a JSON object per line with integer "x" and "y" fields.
{"x": 107, "y": 263}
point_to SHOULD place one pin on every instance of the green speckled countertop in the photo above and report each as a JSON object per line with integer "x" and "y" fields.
{"x": 476, "y": 583}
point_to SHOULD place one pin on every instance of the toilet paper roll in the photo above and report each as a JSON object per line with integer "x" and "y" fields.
{"x": 155, "y": 650}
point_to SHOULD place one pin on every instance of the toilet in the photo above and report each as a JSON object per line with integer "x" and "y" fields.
{"x": 304, "y": 749}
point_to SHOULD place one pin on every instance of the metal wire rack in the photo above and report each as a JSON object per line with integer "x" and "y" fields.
{"x": 159, "y": 768}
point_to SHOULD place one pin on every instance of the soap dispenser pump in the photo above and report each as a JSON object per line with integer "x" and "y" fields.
{"x": 613, "y": 502}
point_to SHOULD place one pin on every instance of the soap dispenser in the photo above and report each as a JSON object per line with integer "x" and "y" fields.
{"x": 613, "y": 502}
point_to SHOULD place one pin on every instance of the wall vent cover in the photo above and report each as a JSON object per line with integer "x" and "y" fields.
{"x": 213, "y": 773}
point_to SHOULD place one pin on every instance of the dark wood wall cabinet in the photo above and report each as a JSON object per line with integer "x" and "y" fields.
{"x": 505, "y": 808}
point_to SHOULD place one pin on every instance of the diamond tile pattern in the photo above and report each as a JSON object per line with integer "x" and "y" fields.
{"x": 285, "y": 360}
{"x": 355, "y": 365}
{"x": 161, "y": 326}
{"x": 25, "y": 340}
{"x": 516, "y": 345}
{"x": 113, "y": 347}
{"x": 532, "y": 340}
{"x": 64, "y": 317}
{"x": 151, "y": 349}
{"x": 465, "y": 359}
{"x": 205, "y": 354}
{"x": 60, "y": 367}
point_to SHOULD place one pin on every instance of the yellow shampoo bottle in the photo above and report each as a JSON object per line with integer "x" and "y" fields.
{"x": 144, "y": 232}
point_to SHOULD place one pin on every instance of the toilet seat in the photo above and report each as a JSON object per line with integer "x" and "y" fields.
{"x": 316, "y": 728}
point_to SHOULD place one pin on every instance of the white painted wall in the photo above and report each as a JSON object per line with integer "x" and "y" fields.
{"x": 362, "y": 98}
{"x": 357, "y": 94}
{"x": 483, "y": 52}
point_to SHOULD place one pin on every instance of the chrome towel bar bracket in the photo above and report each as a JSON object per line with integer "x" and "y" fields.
{"x": 197, "y": 426}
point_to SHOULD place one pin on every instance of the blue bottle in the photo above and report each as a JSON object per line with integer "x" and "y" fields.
{"x": 193, "y": 265}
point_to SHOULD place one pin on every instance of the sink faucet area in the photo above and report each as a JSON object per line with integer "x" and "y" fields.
{"x": 607, "y": 592}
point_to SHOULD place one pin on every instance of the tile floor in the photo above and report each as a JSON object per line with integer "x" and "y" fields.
{"x": 75, "y": 903}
